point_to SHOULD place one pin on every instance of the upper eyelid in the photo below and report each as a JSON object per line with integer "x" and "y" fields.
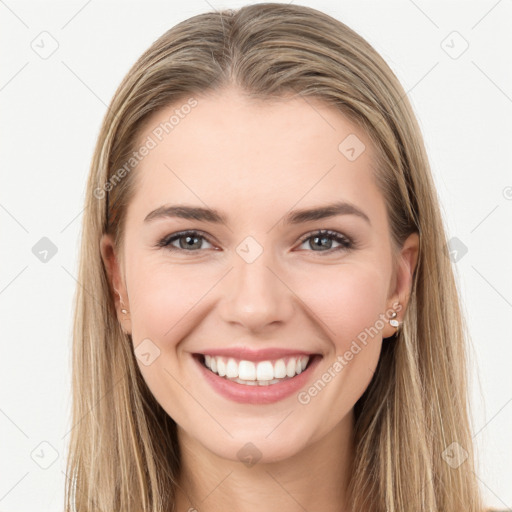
{"x": 328, "y": 232}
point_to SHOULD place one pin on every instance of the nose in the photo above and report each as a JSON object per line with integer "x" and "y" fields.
{"x": 256, "y": 296}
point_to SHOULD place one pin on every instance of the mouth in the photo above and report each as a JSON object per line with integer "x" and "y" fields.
{"x": 263, "y": 381}
{"x": 256, "y": 373}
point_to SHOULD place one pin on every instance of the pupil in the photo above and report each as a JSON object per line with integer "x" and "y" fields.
{"x": 189, "y": 240}
{"x": 323, "y": 239}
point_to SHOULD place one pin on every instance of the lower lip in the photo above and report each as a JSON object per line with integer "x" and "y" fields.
{"x": 248, "y": 394}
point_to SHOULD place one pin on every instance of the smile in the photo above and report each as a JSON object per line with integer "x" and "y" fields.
{"x": 262, "y": 373}
{"x": 261, "y": 377}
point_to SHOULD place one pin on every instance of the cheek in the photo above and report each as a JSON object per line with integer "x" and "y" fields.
{"x": 165, "y": 296}
{"x": 166, "y": 299}
{"x": 347, "y": 300}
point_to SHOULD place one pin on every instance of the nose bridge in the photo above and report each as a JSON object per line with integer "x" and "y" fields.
{"x": 255, "y": 296}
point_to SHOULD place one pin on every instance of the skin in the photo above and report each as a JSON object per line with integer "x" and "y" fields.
{"x": 255, "y": 162}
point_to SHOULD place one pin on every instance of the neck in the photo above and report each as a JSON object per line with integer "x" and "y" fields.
{"x": 314, "y": 479}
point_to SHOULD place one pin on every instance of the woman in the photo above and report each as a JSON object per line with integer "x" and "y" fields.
{"x": 267, "y": 317}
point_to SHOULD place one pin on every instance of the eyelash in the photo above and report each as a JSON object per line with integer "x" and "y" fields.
{"x": 345, "y": 242}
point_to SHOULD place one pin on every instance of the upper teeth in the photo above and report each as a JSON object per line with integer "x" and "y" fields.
{"x": 261, "y": 371}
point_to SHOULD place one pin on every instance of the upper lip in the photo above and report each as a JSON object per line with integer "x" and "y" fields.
{"x": 248, "y": 354}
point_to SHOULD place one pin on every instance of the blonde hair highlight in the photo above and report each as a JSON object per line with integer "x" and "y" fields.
{"x": 123, "y": 452}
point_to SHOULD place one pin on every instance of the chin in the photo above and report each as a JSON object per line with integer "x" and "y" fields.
{"x": 257, "y": 445}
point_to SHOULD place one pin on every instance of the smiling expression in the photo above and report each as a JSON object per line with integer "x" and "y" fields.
{"x": 223, "y": 261}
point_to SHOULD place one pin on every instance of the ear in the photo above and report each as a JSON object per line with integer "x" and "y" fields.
{"x": 407, "y": 260}
{"x": 115, "y": 273}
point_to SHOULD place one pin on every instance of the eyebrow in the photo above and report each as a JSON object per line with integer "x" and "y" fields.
{"x": 294, "y": 217}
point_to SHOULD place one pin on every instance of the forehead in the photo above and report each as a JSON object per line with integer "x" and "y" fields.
{"x": 233, "y": 153}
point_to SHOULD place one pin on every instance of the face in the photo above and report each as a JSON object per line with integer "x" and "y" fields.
{"x": 253, "y": 289}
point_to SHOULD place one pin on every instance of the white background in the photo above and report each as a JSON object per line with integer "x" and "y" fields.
{"x": 51, "y": 112}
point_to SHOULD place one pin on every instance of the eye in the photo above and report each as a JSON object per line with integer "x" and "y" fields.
{"x": 187, "y": 241}
{"x": 324, "y": 239}
{"x": 191, "y": 241}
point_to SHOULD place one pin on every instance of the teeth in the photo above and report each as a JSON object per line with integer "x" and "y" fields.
{"x": 246, "y": 370}
{"x": 265, "y": 371}
{"x": 291, "y": 366}
{"x": 221, "y": 367}
{"x": 280, "y": 369}
{"x": 261, "y": 373}
{"x": 231, "y": 369}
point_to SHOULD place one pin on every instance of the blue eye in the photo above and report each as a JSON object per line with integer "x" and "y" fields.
{"x": 325, "y": 236}
{"x": 191, "y": 241}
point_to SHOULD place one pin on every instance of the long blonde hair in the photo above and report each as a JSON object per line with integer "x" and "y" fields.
{"x": 123, "y": 452}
